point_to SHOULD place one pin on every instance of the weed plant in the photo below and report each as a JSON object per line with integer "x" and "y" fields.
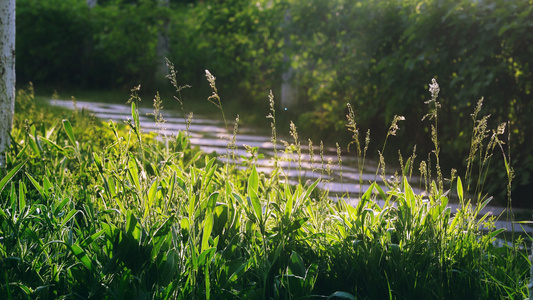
{"x": 99, "y": 210}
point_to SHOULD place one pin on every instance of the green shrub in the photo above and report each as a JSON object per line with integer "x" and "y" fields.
{"x": 65, "y": 43}
{"x": 51, "y": 40}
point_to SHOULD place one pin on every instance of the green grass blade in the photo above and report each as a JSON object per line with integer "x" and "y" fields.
{"x": 10, "y": 175}
{"x": 381, "y": 192}
{"x": 53, "y": 145}
{"x": 483, "y": 205}
{"x": 92, "y": 238}
{"x": 82, "y": 256}
{"x": 68, "y": 217}
{"x": 342, "y": 295}
{"x": 253, "y": 186}
{"x": 311, "y": 188}
{"x": 36, "y": 185}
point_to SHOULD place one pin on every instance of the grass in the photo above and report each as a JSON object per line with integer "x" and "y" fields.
{"x": 96, "y": 210}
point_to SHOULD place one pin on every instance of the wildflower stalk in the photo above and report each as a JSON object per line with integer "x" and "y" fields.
{"x": 433, "y": 114}
{"x": 273, "y": 137}
{"x": 352, "y": 127}
{"x": 215, "y": 98}
{"x": 339, "y": 158}
{"x": 392, "y": 131}
{"x": 230, "y": 151}
{"x": 188, "y": 124}
{"x": 311, "y": 156}
{"x": 294, "y": 135}
{"x": 158, "y": 116}
{"x": 135, "y": 123}
{"x": 173, "y": 77}
{"x": 322, "y": 158}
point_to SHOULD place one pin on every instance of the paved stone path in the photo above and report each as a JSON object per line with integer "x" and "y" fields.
{"x": 211, "y": 136}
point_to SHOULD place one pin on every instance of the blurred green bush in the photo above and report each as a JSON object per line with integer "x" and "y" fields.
{"x": 376, "y": 54}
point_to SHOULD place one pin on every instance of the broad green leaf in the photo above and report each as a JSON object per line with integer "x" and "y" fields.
{"x": 22, "y": 196}
{"x": 240, "y": 267}
{"x": 296, "y": 264}
{"x": 68, "y": 130}
{"x": 253, "y": 186}
{"x": 212, "y": 201}
{"x": 342, "y": 295}
{"x": 311, "y": 277}
{"x": 34, "y": 145}
{"x": 171, "y": 186}
{"x": 365, "y": 198}
{"x": 409, "y": 194}
{"x": 288, "y": 206}
{"x": 47, "y": 185}
{"x": 82, "y": 256}
{"x": 238, "y": 198}
{"x": 184, "y": 224}
{"x": 407, "y": 167}
{"x": 152, "y": 193}
{"x": 208, "y": 227}
{"x": 13, "y": 198}
{"x": 133, "y": 227}
{"x": 253, "y": 180}
{"x": 460, "y": 189}
{"x": 210, "y": 169}
{"x": 206, "y": 256}
{"x": 165, "y": 228}
{"x": 133, "y": 173}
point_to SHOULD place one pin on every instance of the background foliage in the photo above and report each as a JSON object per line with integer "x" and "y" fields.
{"x": 372, "y": 54}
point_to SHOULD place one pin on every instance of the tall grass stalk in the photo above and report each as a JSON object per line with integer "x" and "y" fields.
{"x": 361, "y": 154}
{"x": 272, "y": 117}
{"x": 232, "y": 147}
{"x": 157, "y": 113}
{"x": 312, "y": 156}
{"x": 433, "y": 115}
{"x": 339, "y": 161}
{"x": 392, "y": 131}
{"x": 215, "y": 98}
{"x": 298, "y": 148}
{"x": 173, "y": 77}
